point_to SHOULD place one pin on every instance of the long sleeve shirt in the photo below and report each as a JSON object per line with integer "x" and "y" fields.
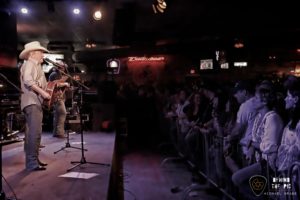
{"x": 31, "y": 73}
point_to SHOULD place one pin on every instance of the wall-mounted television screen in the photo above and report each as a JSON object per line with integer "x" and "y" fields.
{"x": 206, "y": 64}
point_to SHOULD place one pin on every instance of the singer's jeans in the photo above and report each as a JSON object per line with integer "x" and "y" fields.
{"x": 33, "y": 132}
{"x": 59, "y": 118}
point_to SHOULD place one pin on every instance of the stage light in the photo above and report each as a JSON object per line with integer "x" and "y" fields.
{"x": 159, "y": 6}
{"x": 76, "y": 11}
{"x": 24, "y": 10}
{"x": 113, "y": 66}
{"x": 97, "y": 15}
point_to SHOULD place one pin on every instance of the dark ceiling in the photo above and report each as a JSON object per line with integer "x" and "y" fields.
{"x": 133, "y": 24}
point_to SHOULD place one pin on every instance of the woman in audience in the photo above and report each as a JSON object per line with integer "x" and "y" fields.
{"x": 195, "y": 113}
{"x": 289, "y": 150}
{"x": 207, "y": 134}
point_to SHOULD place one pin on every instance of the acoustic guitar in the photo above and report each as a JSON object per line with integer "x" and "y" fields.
{"x": 54, "y": 91}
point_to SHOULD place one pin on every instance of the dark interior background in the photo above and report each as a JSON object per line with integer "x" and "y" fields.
{"x": 187, "y": 31}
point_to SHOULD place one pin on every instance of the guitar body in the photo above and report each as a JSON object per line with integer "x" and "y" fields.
{"x": 51, "y": 87}
{"x": 54, "y": 91}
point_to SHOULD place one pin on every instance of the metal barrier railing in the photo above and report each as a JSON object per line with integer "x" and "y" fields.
{"x": 174, "y": 135}
{"x": 214, "y": 165}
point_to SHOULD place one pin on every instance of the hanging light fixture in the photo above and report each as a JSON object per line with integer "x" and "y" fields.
{"x": 113, "y": 66}
{"x": 159, "y": 6}
{"x": 238, "y": 44}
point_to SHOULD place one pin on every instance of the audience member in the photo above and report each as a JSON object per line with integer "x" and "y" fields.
{"x": 266, "y": 135}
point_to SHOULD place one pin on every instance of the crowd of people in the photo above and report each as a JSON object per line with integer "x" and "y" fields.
{"x": 231, "y": 131}
{"x": 248, "y": 129}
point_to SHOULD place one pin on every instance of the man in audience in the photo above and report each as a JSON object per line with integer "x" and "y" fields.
{"x": 243, "y": 92}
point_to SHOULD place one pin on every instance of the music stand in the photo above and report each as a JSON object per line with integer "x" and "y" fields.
{"x": 82, "y": 160}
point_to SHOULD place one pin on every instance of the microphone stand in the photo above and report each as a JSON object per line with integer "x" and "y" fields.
{"x": 83, "y": 159}
{"x": 2, "y": 194}
{"x": 58, "y": 67}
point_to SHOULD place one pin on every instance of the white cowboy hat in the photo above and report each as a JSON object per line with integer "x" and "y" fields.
{"x": 31, "y": 46}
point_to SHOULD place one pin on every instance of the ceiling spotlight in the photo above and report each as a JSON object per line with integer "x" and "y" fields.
{"x": 76, "y": 11}
{"x": 97, "y": 15}
{"x": 24, "y": 10}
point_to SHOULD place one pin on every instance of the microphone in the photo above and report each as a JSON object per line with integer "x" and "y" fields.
{"x": 62, "y": 66}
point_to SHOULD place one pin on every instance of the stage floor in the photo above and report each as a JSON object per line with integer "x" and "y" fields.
{"x": 85, "y": 182}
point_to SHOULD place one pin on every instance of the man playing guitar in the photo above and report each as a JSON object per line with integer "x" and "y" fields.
{"x": 58, "y": 100}
{"x": 33, "y": 85}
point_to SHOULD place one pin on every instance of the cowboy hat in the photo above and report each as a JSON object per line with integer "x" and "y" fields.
{"x": 31, "y": 46}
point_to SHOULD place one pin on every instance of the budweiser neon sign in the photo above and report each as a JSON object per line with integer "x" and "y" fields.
{"x": 148, "y": 59}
